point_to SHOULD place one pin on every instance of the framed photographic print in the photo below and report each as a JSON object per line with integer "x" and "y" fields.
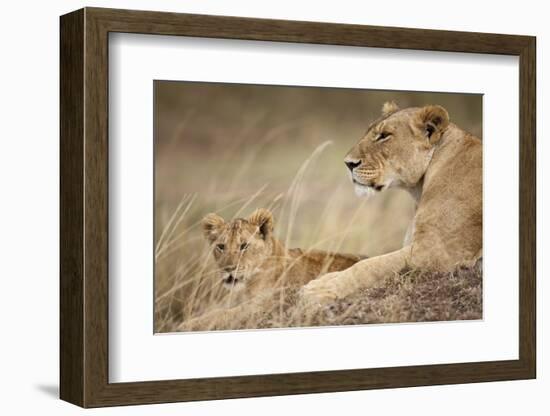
{"x": 262, "y": 207}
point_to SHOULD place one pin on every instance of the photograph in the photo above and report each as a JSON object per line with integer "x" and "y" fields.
{"x": 279, "y": 206}
{"x": 314, "y": 208}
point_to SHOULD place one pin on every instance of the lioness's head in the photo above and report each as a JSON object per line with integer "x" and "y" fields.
{"x": 397, "y": 148}
{"x": 239, "y": 246}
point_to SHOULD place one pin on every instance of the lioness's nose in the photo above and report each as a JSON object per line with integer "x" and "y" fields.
{"x": 352, "y": 164}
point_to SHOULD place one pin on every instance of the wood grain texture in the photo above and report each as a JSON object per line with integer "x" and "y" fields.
{"x": 527, "y": 208}
{"x": 96, "y": 209}
{"x": 84, "y": 207}
{"x": 162, "y": 23}
{"x": 71, "y": 100}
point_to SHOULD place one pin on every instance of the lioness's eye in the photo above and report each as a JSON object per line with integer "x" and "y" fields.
{"x": 244, "y": 246}
{"x": 382, "y": 136}
{"x": 430, "y": 130}
{"x": 220, "y": 246}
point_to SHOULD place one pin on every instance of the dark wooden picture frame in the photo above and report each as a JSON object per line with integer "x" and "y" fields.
{"x": 84, "y": 207}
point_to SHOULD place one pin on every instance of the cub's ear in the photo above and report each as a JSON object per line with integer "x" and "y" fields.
{"x": 389, "y": 107}
{"x": 211, "y": 226}
{"x": 263, "y": 219}
{"x": 435, "y": 120}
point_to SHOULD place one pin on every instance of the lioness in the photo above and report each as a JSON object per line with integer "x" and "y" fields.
{"x": 251, "y": 261}
{"x": 419, "y": 150}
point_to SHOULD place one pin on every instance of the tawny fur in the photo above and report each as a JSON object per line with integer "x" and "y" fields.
{"x": 251, "y": 262}
{"x": 419, "y": 150}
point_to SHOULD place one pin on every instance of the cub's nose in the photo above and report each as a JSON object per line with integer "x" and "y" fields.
{"x": 352, "y": 164}
{"x": 229, "y": 269}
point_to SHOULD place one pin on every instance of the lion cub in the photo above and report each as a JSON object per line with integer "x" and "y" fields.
{"x": 253, "y": 265}
{"x": 250, "y": 259}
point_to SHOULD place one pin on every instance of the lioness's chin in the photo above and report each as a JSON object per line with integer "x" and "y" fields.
{"x": 363, "y": 191}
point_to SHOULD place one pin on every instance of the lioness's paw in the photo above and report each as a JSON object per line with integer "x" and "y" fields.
{"x": 319, "y": 293}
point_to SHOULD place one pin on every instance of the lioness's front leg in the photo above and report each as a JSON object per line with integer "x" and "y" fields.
{"x": 364, "y": 274}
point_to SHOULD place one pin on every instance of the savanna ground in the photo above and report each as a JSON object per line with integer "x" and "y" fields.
{"x": 233, "y": 148}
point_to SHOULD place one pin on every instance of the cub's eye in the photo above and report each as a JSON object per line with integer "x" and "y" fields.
{"x": 244, "y": 246}
{"x": 382, "y": 136}
{"x": 220, "y": 247}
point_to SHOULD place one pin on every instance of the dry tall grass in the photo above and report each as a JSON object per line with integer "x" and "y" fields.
{"x": 231, "y": 149}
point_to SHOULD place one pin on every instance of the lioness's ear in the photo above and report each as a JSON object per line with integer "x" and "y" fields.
{"x": 263, "y": 219}
{"x": 389, "y": 107}
{"x": 211, "y": 226}
{"x": 435, "y": 120}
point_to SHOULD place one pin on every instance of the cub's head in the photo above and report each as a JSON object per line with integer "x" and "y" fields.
{"x": 397, "y": 148}
{"x": 240, "y": 246}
